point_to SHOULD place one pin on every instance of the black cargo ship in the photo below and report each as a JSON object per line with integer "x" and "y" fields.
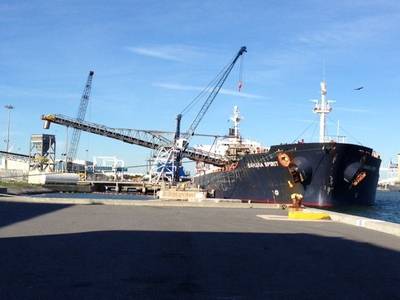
{"x": 323, "y": 174}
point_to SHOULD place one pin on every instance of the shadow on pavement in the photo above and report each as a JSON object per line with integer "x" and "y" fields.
{"x": 195, "y": 265}
{"x": 12, "y": 212}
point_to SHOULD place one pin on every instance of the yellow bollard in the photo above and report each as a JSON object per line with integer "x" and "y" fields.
{"x": 304, "y": 215}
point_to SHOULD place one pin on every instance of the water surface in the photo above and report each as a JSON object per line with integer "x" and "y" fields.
{"x": 386, "y": 208}
{"x": 99, "y": 196}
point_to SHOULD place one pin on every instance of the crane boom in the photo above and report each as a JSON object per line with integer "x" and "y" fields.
{"x": 178, "y": 148}
{"x": 213, "y": 94}
{"x": 73, "y": 147}
{"x": 181, "y": 144}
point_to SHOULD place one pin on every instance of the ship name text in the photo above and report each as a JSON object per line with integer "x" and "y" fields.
{"x": 265, "y": 164}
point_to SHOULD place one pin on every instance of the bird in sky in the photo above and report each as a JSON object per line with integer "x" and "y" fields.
{"x": 359, "y": 88}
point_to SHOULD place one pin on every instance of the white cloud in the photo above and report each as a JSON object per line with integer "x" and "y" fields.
{"x": 154, "y": 53}
{"x": 309, "y": 48}
{"x": 351, "y": 33}
{"x": 181, "y": 87}
{"x": 179, "y": 53}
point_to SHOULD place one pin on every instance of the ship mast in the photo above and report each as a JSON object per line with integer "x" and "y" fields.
{"x": 236, "y": 118}
{"x": 323, "y": 108}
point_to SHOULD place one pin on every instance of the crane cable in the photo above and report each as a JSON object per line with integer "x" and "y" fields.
{"x": 207, "y": 89}
{"x": 303, "y": 132}
{"x": 240, "y": 81}
{"x": 347, "y": 132}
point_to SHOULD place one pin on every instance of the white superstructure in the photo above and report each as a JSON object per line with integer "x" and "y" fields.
{"x": 232, "y": 146}
{"x": 390, "y": 175}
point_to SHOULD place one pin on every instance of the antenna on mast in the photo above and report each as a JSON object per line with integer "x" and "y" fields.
{"x": 235, "y": 118}
{"x": 323, "y": 108}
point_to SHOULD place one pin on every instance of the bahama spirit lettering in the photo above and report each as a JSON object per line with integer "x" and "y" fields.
{"x": 265, "y": 164}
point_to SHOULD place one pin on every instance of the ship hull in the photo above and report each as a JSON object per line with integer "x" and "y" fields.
{"x": 324, "y": 174}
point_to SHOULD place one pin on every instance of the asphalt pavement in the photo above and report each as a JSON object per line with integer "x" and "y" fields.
{"x": 52, "y": 251}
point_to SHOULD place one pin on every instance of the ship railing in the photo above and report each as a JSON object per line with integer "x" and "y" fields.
{"x": 375, "y": 154}
{"x": 335, "y": 138}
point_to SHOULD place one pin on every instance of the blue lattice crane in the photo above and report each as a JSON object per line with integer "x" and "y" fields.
{"x": 168, "y": 152}
{"x": 73, "y": 146}
{"x": 211, "y": 91}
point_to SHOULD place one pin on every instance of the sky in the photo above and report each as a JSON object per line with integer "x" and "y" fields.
{"x": 151, "y": 58}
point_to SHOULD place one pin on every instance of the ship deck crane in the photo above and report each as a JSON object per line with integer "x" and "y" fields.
{"x": 178, "y": 148}
{"x": 73, "y": 147}
{"x": 182, "y": 142}
{"x": 214, "y": 92}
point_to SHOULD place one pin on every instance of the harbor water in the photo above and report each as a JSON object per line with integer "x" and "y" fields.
{"x": 386, "y": 208}
{"x": 100, "y": 196}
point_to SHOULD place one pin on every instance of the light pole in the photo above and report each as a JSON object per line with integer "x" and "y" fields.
{"x": 66, "y": 150}
{"x": 63, "y": 166}
{"x": 86, "y": 163}
{"x": 9, "y": 107}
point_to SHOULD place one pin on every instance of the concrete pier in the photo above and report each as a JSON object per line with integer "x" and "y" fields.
{"x": 65, "y": 251}
{"x": 123, "y": 186}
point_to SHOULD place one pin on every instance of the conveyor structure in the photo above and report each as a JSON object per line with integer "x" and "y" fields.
{"x": 145, "y": 138}
{"x": 16, "y": 156}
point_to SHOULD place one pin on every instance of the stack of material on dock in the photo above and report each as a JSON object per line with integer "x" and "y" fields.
{"x": 64, "y": 178}
{"x": 174, "y": 193}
